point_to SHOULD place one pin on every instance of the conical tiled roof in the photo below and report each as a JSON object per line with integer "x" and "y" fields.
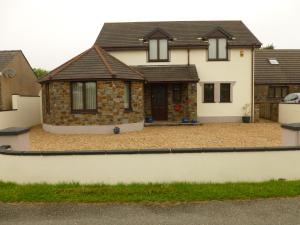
{"x": 93, "y": 64}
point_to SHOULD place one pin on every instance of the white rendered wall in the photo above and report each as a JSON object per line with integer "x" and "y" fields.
{"x": 144, "y": 168}
{"x": 289, "y": 113}
{"x": 26, "y": 113}
{"x": 236, "y": 70}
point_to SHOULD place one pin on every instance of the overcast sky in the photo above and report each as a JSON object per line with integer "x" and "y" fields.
{"x": 52, "y": 31}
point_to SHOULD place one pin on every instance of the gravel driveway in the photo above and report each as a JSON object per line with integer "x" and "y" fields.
{"x": 207, "y": 135}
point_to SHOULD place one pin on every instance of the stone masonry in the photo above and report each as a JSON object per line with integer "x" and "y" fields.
{"x": 188, "y": 104}
{"x": 110, "y": 105}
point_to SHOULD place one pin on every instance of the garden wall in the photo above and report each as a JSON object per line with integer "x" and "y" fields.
{"x": 111, "y": 167}
{"x": 289, "y": 113}
{"x": 26, "y": 112}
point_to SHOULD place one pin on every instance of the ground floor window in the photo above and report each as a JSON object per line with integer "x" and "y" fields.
{"x": 127, "y": 95}
{"x": 225, "y": 95}
{"x": 209, "y": 96}
{"x": 278, "y": 91}
{"x": 177, "y": 93}
{"x": 217, "y": 92}
{"x": 84, "y": 96}
{"x": 47, "y": 98}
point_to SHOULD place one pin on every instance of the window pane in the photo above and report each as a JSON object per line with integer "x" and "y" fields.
{"x": 127, "y": 96}
{"x": 90, "y": 95}
{"x": 176, "y": 93}
{"x": 77, "y": 95}
{"x": 284, "y": 92}
{"x": 209, "y": 93}
{"x": 278, "y": 92}
{"x": 225, "y": 93}
{"x": 163, "y": 49}
{"x": 47, "y": 99}
{"x": 212, "y": 49}
{"x": 271, "y": 92}
{"x": 153, "y": 49}
{"x": 222, "y": 49}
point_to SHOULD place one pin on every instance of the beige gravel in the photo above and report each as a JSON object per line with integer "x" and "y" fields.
{"x": 208, "y": 135}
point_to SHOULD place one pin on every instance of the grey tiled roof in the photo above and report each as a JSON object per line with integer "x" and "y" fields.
{"x": 169, "y": 73}
{"x": 185, "y": 33}
{"x": 287, "y": 71}
{"x": 6, "y": 57}
{"x": 94, "y": 63}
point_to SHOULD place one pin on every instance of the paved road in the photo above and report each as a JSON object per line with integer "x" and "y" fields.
{"x": 266, "y": 212}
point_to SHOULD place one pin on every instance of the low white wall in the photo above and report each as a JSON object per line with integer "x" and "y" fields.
{"x": 111, "y": 169}
{"x": 290, "y": 137}
{"x": 26, "y": 113}
{"x": 289, "y": 113}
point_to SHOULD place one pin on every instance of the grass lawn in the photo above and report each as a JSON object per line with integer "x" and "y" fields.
{"x": 174, "y": 192}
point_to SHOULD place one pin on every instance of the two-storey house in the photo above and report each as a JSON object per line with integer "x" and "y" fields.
{"x": 191, "y": 70}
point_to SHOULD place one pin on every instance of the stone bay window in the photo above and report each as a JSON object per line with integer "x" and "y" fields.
{"x": 91, "y": 93}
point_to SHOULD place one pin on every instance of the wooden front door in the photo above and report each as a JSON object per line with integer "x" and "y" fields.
{"x": 159, "y": 102}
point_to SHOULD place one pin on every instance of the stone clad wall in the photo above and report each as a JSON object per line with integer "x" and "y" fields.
{"x": 110, "y": 105}
{"x": 188, "y": 105}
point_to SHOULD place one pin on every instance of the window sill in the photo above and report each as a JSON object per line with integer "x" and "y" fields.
{"x": 209, "y": 102}
{"x": 225, "y": 102}
{"x": 128, "y": 110}
{"x": 167, "y": 60}
{"x": 84, "y": 112}
{"x": 218, "y": 60}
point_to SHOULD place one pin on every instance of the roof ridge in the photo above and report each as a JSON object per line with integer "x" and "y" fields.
{"x": 163, "y": 21}
{"x": 16, "y": 50}
{"x": 141, "y": 75}
{"x": 113, "y": 74}
{"x": 64, "y": 65}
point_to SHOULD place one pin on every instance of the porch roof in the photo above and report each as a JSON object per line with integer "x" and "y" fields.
{"x": 169, "y": 73}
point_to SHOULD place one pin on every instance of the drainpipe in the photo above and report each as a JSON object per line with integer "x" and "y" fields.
{"x": 188, "y": 55}
{"x": 252, "y": 84}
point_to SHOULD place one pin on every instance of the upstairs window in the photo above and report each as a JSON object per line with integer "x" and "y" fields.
{"x": 127, "y": 96}
{"x": 84, "y": 97}
{"x": 273, "y": 61}
{"x": 217, "y": 49}
{"x": 158, "y": 50}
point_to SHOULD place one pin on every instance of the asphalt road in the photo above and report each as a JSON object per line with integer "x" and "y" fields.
{"x": 266, "y": 212}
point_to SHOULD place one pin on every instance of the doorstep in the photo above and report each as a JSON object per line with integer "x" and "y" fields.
{"x": 170, "y": 123}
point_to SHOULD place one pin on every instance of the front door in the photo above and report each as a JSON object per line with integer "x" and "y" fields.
{"x": 159, "y": 102}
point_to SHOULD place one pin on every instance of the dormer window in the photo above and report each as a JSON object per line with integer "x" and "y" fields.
{"x": 158, "y": 50}
{"x": 217, "y": 49}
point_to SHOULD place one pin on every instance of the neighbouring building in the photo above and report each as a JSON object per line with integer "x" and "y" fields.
{"x": 16, "y": 78}
{"x": 166, "y": 71}
{"x": 277, "y": 73}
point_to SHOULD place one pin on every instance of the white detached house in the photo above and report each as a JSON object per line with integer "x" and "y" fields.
{"x": 221, "y": 51}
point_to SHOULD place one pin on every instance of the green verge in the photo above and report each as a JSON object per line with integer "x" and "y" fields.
{"x": 153, "y": 192}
